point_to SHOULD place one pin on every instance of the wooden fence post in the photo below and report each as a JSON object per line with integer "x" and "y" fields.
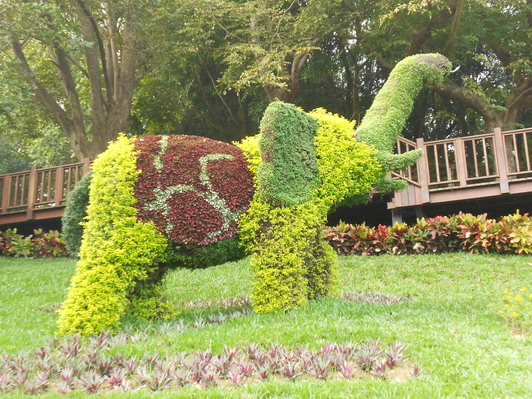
{"x": 423, "y": 172}
{"x": 461, "y": 162}
{"x": 500, "y": 160}
{"x": 6, "y": 193}
{"x": 32, "y": 192}
{"x": 59, "y": 185}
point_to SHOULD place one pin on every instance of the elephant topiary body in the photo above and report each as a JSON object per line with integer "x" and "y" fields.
{"x": 153, "y": 195}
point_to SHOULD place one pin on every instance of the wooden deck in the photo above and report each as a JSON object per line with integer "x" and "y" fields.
{"x": 496, "y": 164}
{"x": 38, "y": 194}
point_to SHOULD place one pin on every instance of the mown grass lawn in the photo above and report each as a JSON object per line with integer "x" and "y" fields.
{"x": 451, "y": 327}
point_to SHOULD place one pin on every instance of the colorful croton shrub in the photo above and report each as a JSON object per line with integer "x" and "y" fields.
{"x": 510, "y": 234}
{"x": 39, "y": 244}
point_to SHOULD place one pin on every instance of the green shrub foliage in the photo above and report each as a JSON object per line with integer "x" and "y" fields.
{"x": 385, "y": 120}
{"x": 463, "y": 232}
{"x": 290, "y": 257}
{"x": 289, "y": 170}
{"x": 119, "y": 255}
{"x": 75, "y": 212}
{"x": 348, "y": 168}
{"x": 199, "y": 256}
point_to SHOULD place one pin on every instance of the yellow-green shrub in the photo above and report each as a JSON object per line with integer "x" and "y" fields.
{"x": 250, "y": 146}
{"x": 117, "y": 253}
{"x": 348, "y": 168}
{"x": 291, "y": 261}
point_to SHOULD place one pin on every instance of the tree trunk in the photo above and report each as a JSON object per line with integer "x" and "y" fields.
{"x": 284, "y": 94}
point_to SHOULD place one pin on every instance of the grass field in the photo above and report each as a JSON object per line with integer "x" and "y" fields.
{"x": 450, "y": 328}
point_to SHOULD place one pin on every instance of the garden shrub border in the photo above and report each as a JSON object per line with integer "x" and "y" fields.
{"x": 510, "y": 234}
{"x": 39, "y": 244}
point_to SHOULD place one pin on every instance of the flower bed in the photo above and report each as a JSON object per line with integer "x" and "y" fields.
{"x": 510, "y": 234}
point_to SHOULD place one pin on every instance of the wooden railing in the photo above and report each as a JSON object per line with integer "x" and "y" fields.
{"x": 498, "y": 158}
{"x": 39, "y": 189}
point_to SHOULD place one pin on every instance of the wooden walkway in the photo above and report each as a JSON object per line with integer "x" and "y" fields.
{"x": 496, "y": 164}
{"x": 38, "y": 194}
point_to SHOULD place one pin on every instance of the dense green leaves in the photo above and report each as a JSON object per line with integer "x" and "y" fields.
{"x": 288, "y": 173}
{"x": 75, "y": 212}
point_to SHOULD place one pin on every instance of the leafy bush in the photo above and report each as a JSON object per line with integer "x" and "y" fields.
{"x": 39, "y": 244}
{"x": 48, "y": 245}
{"x": 198, "y": 256}
{"x": 75, "y": 212}
{"x": 291, "y": 261}
{"x": 348, "y": 168}
{"x": 119, "y": 256}
{"x": 462, "y": 232}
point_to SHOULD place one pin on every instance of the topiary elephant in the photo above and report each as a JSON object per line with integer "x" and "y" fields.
{"x": 154, "y": 197}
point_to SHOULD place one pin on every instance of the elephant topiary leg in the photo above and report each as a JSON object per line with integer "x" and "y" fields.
{"x": 279, "y": 261}
{"x": 321, "y": 267}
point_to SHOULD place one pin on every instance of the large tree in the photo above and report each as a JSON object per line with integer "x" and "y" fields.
{"x": 81, "y": 59}
{"x": 490, "y": 41}
{"x": 210, "y": 67}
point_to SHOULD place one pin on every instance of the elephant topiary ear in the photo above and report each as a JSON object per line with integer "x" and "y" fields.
{"x": 289, "y": 172}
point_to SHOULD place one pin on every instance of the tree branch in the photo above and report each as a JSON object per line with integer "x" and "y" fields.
{"x": 98, "y": 105}
{"x": 78, "y": 65}
{"x": 478, "y": 104}
{"x": 451, "y": 40}
{"x": 100, "y": 42}
{"x": 419, "y": 39}
{"x": 74, "y": 134}
{"x": 69, "y": 87}
{"x": 42, "y": 95}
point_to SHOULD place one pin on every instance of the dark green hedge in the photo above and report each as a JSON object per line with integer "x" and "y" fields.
{"x": 199, "y": 256}
{"x": 75, "y": 212}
